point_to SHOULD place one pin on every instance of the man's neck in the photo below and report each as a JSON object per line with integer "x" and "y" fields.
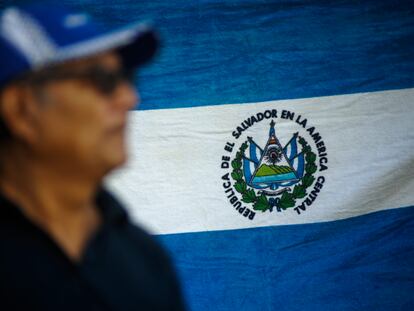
{"x": 61, "y": 205}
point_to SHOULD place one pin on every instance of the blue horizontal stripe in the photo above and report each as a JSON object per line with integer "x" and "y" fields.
{"x": 218, "y": 52}
{"x": 361, "y": 263}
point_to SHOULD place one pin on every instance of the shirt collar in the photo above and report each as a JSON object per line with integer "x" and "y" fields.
{"x": 112, "y": 211}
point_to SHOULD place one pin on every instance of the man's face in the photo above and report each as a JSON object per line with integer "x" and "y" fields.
{"x": 80, "y": 127}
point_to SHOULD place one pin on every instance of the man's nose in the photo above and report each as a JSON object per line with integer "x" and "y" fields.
{"x": 126, "y": 96}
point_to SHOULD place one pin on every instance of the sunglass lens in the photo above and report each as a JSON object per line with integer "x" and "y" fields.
{"x": 107, "y": 81}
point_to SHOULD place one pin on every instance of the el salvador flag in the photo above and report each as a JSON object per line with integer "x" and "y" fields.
{"x": 338, "y": 237}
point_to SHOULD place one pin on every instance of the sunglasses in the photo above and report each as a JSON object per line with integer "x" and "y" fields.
{"x": 102, "y": 79}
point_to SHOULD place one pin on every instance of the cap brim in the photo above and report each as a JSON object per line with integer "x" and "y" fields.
{"x": 136, "y": 44}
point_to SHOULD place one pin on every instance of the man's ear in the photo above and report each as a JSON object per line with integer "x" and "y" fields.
{"x": 19, "y": 110}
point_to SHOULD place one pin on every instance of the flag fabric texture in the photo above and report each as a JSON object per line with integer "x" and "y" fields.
{"x": 272, "y": 153}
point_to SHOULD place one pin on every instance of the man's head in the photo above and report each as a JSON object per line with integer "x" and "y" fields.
{"x": 69, "y": 111}
{"x": 72, "y": 115}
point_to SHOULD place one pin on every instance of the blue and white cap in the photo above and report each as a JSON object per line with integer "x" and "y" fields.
{"x": 36, "y": 36}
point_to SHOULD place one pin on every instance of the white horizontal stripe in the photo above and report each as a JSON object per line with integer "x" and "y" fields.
{"x": 172, "y": 182}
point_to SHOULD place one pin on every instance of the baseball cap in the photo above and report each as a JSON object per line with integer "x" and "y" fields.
{"x": 35, "y": 36}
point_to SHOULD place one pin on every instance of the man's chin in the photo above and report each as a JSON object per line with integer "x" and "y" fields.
{"x": 112, "y": 155}
{"x": 115, "y": 161}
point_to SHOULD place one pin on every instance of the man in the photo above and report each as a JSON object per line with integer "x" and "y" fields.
{"x": 65, "y": 242}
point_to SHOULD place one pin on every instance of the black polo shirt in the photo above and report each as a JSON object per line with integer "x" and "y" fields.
{"x": 123, "y": 268}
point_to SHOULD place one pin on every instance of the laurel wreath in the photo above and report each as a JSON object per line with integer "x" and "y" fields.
{"x": 288, "y": 199}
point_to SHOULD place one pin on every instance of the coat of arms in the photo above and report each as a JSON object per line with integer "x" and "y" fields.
{"x": 275, "y": 175}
